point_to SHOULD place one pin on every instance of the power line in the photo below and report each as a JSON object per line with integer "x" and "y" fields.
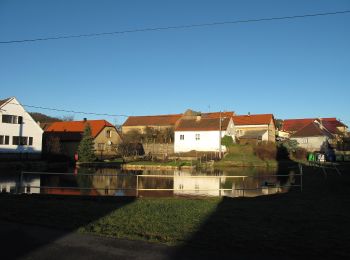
{"x": 174, "y": 27}
{"x": 69, "y": 111}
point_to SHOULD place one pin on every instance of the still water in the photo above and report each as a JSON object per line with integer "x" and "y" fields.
{"x": 236, "y": 182}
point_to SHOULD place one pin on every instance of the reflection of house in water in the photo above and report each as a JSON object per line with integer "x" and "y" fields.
{"x": 258, "y": 185}
{"x": 30, "y": 184}
{"x": 187, "y": 184}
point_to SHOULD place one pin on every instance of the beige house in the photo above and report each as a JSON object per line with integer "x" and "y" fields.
{"x": 255, "y": 128}
{"x": 69, "y": 134}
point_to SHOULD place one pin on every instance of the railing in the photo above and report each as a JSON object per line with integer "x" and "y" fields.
{"x": 242, "y": 183}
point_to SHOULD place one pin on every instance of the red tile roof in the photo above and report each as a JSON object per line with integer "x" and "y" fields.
{"x": 160, "y": 120}
{"x": 258, "y": 119}
{"x": 79, "y": 126}
{"x": 311, "y": 129}
{"x": 204, "y": 124}
{"x": 293, "y": 125}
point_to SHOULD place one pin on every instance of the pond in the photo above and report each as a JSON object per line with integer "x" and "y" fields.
{"x": 233, "y": 182}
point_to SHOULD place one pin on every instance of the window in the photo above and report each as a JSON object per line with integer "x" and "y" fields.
{"x": 15, "y": 140}
{"x": 182, "y": 137}
{"x": 304, "y": 141}
{"x": 10, "y": 119}
{"x": 198, "y": 137}
{"x": 101, "y": 146}
{"x": 108, "y": 134}
{"x": 4, "y": 139}
{"x": 22, "y": 140}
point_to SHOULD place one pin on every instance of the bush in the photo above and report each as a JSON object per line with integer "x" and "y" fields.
{"x": 266, "y": 150}
{"x": 227, "y": 141}
{"x": 300, "y": 153}
{"x": 130, "y": 149}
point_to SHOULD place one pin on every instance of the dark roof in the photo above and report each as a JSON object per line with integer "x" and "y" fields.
{"x": 3, "y": 101}
{"x": 312, "y": 129}
{"x": 160, "y": 120}
{"x": 203, "y": 124}
{"x": 218, "y": 114}
{"x": 172, "y": 119}
{"x": 258, "y": 119}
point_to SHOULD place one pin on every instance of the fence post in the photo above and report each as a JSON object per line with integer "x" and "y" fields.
{"x": 243, "y": 186}
{"x": 301, "y": 176}
{"x": 137, "y": 185}
{"x": 19, "y": 188}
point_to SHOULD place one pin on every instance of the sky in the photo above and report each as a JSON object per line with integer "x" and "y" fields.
{"x": 292, "y": 68}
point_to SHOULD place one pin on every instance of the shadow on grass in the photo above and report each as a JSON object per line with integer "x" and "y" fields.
{"x": 311, "y": 223}
{"x": 55, "y": 211}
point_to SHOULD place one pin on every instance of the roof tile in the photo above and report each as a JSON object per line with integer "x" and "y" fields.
{"x": 79, "y": 126}
{"x": 258, "y": 119}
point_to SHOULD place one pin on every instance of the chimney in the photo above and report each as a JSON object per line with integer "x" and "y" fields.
{"x": 85, "y": 119}
{"x": 248, "y": 113}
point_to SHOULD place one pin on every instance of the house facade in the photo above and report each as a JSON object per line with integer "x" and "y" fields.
{"x": 255, "y": 128}
{"x": 19, "y": 133}
{"x": 69, "y": 134}
{"x": 202, "y": 134}
{"x": 313, "y": 137}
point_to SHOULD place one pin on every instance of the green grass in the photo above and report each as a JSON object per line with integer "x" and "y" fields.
{"x": 313, "y": 222}
{"x": 243, "y": 155}
{"x": 172, "y": 163}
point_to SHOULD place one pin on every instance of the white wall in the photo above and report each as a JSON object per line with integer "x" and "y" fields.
{"x": 209, "y": 140}
{"x": 193, "y": 185}
{"x": 29, "y": 128}
{"x": 311, "y": 143}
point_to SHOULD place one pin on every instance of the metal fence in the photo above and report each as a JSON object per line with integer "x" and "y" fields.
{"x": 139, "y": 185}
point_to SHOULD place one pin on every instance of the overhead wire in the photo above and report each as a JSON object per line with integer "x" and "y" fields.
{"x": 188, "y": 26}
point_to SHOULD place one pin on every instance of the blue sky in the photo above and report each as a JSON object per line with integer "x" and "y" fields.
{"x": 292, "y": 68}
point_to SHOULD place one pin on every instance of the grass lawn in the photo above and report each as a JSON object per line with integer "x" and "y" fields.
{"x": 243, "y": 155}
{"x": 315, "y": 222}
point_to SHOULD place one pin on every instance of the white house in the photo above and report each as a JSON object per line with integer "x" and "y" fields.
{"x": 19, "y": 133}
{"x": 202, "y": 134}
{"x": 313, "y": 137}
{"x": 187, "y": 184}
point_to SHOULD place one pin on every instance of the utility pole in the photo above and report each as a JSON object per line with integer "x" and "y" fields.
{"x": 220, "y": 137}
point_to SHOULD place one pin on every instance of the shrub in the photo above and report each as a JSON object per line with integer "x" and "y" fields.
{"x": 266, "y": 150}
{"x": 227, "y": 141}
{"x": 300, "y": 153}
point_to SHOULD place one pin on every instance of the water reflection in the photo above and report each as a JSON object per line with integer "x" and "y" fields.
{"x": 236, "y": 182}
